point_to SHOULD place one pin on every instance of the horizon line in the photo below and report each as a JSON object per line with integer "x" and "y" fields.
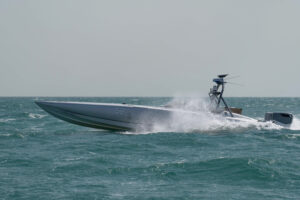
{"x": 21, "y": 96}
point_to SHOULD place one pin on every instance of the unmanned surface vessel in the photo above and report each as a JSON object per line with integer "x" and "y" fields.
{"x": 124, "y": 117}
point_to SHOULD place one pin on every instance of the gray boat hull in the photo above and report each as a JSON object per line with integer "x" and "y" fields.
{"x": 107, "y": 116}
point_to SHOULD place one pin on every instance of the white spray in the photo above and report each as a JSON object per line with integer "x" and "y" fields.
{"x": 296, "y": 123}
{"x": 204, "y": 120}
{"x": 193, "y": 115}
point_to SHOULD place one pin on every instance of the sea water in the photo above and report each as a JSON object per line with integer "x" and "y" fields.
{"x": 42, "y": 157}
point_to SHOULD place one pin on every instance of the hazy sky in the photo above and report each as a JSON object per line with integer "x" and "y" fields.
{"x": 148, "y": 48}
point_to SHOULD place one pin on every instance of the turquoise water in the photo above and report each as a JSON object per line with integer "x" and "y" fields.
{"x": 42, "y": 157}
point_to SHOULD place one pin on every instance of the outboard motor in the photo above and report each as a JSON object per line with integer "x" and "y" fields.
{"x": 283, "y": 118}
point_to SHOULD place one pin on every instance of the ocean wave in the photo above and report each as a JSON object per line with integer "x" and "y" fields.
{"x": 36, "y": 116}
{"x": 230, "y": 169}
{"x": 7, "y": 120}
{"x": 5, "y": 135}
{"x": 12, "y": 135}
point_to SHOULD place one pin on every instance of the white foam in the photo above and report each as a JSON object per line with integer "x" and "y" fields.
{"x": 36, "y": 116}
{"x": 7, "y": 120}
{"x": 5, "y": 135}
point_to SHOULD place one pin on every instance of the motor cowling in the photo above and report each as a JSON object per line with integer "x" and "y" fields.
{"x": 283, "y": 118}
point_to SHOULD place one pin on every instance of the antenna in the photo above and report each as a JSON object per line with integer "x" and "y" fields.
{"x": 238, "y": 84}
{"x": 216, "y": 95}
{"x": 233, "y": 77}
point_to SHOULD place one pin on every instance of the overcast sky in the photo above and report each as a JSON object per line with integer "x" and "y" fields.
{"x": 148, "y": 48}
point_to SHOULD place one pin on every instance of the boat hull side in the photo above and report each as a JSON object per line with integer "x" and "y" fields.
{"x": 105, "y": 116}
